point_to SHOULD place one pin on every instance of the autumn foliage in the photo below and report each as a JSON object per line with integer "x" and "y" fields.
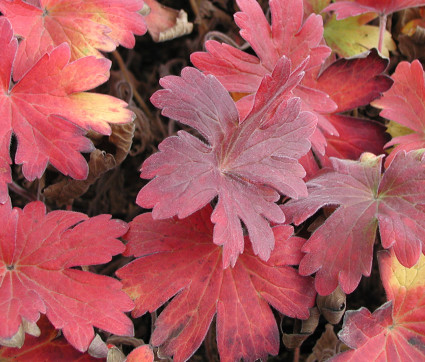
{"x": 273, "y": 185}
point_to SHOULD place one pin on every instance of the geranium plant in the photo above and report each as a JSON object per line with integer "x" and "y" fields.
{"x": 266, "y": 191}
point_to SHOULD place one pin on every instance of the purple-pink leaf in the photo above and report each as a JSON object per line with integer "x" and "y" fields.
{"x": 341, "y": 250}
{"x": 247, "y": 165}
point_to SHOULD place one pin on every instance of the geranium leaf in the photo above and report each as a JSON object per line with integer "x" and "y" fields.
{"x": 340, "y": 251}
{"x": 47, "y": 347}
{"x": 176, "y": 258}
{"x": 353, "y": 83}
{"x": 86, "y": 25}
{"x": 48, "y": 111}
{"x": 38, "y": 254}
{"x": 404, "y": 103}
{"x": 395, "y": 331}
{"x": 289, "y": 35}
{"x": 344, "y": 9}
{"x": 246, "y": 165}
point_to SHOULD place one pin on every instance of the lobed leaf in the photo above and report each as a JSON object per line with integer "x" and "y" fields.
{"x": 395, "y": 331}
{"x": 404, "y": 103}
{"x": 288, "y": 35}
{"x": 341, "y": 250}
{"x": 88, "y": 26}
{"x": 49, "y": 112}
{"x": 246, "y": 165}
{"x": 176, "y": 259}
{"x": 38, "y": 253}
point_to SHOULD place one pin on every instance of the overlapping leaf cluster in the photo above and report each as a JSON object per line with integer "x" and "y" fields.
{"x": 223, "y": 191}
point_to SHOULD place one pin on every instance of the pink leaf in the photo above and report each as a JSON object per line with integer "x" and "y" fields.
{"x": 404, "y": 103}
{"x": 246, "y": 165}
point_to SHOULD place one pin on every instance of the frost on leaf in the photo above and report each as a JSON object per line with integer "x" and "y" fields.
{"x": 404, "y": 104}
{"x": 344, "y": 9}
{"x": 177, "y": 260}
{"x": 88, "y": 26}
{"x": 395, "y": 331}
{"x": 341, "y": 250}
{"x": 38, "y": 256}
{"x": 49, "y": 112}
{"x": 288, "y": 35}
{"x": 47, "y": 347}
{"x": 247, "y": 165}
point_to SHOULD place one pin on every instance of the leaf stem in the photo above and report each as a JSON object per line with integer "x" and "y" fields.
{"x": 382, "y": 27}
{"x": 296, "y": 355}
{"x": 127, "y": 77}
{"x": 21, "y": 191}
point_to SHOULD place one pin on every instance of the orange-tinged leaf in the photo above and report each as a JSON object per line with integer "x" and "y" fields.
{"x": 177, "y": 258}
{"x": 86, "y": 25}
{"x": 38, "y": 256}
{"x": 49, "y": 112}
{"x": 48, "y": 347}
{"x": 141, "y": 354}
{"x": 395, "y": 331}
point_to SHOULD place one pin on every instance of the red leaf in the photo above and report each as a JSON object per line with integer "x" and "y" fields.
{"x": 344, "y": 9}
{"x": 177, "y": 259}
{"x": 37, "y": 256}
{"x": 395, "y": 331}
{"x": 48, "y": 111}
{"x": 341, "y": 250}
{"x": 349, "y": 82}
{"x": 86, "y": 25}
{"x": 47, "y": 347}
{"x": 288, "y": 35}
{"x": 404, "y": 103}
{"x": 246, "y": 165}
{"x": 352, "y": 83}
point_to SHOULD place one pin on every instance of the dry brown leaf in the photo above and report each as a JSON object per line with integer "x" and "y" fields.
{"x": 302, "y": 330}
{"x": 17, "y": 341}
{"x": 411, "y": 46}
{"x": 65, "y": 191}
{"x": 327, "y": 346}
{"x": 332, "y": 306}
{"x": 122, "y": 138}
